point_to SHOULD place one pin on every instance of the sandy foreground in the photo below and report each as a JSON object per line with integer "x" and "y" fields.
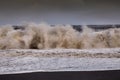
{"x": 27, "y": 60}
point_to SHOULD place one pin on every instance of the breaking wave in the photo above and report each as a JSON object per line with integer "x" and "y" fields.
{"x": 43, "y": 36}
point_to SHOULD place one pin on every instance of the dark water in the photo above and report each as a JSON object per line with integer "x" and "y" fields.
{"x": 60, "y": 11}
{"x": 76, "y": 75}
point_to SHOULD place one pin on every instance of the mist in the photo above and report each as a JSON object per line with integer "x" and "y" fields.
{"x": 74, "y": 12}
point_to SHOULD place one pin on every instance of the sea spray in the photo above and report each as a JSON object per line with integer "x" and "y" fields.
{"x": 44, "y": 36}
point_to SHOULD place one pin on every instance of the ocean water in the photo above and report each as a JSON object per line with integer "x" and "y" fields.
{"x": 43, "y": 36}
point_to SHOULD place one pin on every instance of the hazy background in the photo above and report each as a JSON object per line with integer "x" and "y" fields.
{"x": 60, "y": 11}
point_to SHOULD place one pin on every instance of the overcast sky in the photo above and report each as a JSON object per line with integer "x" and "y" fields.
{"x": 60, "y": 11}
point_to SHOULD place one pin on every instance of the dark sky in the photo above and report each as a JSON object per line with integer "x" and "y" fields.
{"x": 60, "y": 11}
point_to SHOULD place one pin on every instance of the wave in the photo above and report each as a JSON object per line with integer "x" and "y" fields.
{"x": 44, "y": 36}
